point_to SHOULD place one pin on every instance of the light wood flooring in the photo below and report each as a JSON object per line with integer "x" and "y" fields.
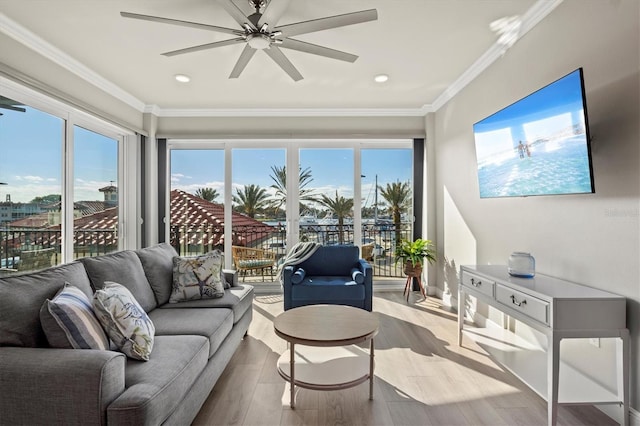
{"x": 421, "y": 378}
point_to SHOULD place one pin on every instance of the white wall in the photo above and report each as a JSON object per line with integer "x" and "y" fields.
{"x": 590, "y": 239}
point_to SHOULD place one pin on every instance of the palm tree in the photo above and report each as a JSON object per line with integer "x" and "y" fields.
{"x": 279, "y": 178}
{"x": 341, "y": 207}
{"x": 251, "y": 199}
{"x": 398, "y": 195}
{"x": 209, "y": 194}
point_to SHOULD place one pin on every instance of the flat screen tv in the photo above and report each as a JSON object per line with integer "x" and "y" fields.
{"x": 539, "y": 145}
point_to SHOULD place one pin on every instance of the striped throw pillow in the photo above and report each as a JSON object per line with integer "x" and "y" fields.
{"x": 69, "y": 322}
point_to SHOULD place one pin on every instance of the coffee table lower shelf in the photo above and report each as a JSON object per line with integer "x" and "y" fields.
{"x": 326, "y": 368}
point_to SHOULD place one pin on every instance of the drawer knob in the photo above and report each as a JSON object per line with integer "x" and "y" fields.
{"x": 515, "y": 301}
{"x": 474, "y": 283}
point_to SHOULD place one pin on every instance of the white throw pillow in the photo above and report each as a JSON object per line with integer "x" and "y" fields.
{"x": 124, "y": 320}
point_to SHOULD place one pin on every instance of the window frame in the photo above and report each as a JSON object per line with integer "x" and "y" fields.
{"x": 128, "y": 158}
{"x": 292, "y": 152}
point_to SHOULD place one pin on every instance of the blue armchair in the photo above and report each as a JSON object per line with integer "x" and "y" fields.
{"x": 333, "y": 275}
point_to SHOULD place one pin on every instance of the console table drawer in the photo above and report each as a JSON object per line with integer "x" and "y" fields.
{"x": 530, "y": 306}
{"x": 478, "y": 283}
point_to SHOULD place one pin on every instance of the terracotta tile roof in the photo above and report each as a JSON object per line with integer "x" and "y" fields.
{"x": 84, "y": 207}
{"x": 195, "y": 213}
{"x": 34, "y": 221}
{"x": 90, "y": 207}
{"x": 198, "y": 222}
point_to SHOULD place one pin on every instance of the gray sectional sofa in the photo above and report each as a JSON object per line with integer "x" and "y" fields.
{"x": 194, "y": 341}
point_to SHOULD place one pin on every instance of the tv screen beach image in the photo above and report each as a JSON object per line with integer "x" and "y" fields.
{"x": 538, "y": 145}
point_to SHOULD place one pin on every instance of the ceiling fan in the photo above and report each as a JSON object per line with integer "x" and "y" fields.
{"x": 259, "y": 31}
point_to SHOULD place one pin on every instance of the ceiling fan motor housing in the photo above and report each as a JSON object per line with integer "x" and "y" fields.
{"x": 259, "y": 41}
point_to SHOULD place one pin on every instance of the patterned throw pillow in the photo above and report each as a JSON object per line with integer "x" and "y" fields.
{"x": 124, "y": 320}
{"x": 68, "y": 321}
{"x": 198, "y": 277}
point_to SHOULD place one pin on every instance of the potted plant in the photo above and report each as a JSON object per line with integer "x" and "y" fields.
{"x": 413, "y": 253}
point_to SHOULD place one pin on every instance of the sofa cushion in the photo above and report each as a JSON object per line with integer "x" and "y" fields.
{"x": 124, "y": 320}
{"x": 327, "y": 289}
{"x": 156, "y": 387}
{"x": 213, "y": 323}
{"x": 22, "y": 296}
{"x": 69, "y": 322}
{"x": 198, "y": 277}
{"x": 157, "y": 262}
{"x": 123, "y": 267}
{"x": 239, "y": 299}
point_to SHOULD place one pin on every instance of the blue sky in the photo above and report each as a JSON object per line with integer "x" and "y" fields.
{"x": 31, "y": 157}
{"x": 331, "y": 169}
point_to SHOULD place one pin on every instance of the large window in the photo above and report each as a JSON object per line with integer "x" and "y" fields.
{"x": 60, "y": 173}
{"x": 331, "y": 197}
{"x": 196, "y": 200}
{"x": 31, "y": 192}
{"x": 387, "y": 208}
{"x": 95, "y": 193}
{"x": 341, "y": 192}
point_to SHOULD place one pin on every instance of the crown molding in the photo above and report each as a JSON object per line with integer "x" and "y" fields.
{"x": 292, "y": 112}
{"x": 530, "y": 19}
{"x": 152, "y": 109}
{"x": 49, "y": 51}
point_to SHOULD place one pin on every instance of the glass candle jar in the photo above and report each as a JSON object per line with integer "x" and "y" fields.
{"x": 522, "y": 264}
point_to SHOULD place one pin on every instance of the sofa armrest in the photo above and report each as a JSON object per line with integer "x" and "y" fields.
{"x": 68, "y": 386}
{"x": 231, "y": 276}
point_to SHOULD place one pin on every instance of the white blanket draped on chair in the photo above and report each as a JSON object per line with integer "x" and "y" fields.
{"x": 298, "y": 254}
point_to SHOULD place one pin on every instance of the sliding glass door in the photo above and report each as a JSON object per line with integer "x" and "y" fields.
{"x": 327, "y": 210}
{"x": 59, "y": 176}
{"x": 241, "y": 197}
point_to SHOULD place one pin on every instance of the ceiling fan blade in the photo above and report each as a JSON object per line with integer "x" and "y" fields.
{"x": 236, "y": 13}
{"x": 327, "y": 23}
{"x": 242, "y": 62}
{"x": 284, "y": 63}
{"x": 181, "y": 23}
{"x": 303, "y": 46}
{"x": 13, "y": 108}
{"x": 273, "y": 12}
{"x": 205, "y": 46}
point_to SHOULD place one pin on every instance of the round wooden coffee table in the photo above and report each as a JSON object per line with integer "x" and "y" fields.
{"x": 322, "y": 347}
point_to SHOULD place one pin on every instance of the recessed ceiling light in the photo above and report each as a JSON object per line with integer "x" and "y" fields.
{"x": 381, "y": 78}
{"x": 182, "y": 78}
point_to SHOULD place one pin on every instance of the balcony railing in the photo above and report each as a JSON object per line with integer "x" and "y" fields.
{"x": 15, "y": 241}
{"x": 190, "y": 241}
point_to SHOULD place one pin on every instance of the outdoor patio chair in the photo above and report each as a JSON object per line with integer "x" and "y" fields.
{"x": 33, "y": 260}
{"x": 247, "y": 259}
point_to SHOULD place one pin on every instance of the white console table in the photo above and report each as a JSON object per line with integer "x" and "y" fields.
{"x": 559, "y": 309}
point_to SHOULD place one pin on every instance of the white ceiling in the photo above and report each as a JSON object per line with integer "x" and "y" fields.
{"x": 427, "y": 47}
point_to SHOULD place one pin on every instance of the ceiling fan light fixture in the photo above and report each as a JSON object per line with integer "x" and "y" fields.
{"x": 381, "y": 78}
{"x": 258, "y": 41}
{"x": 182, "y": 78}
